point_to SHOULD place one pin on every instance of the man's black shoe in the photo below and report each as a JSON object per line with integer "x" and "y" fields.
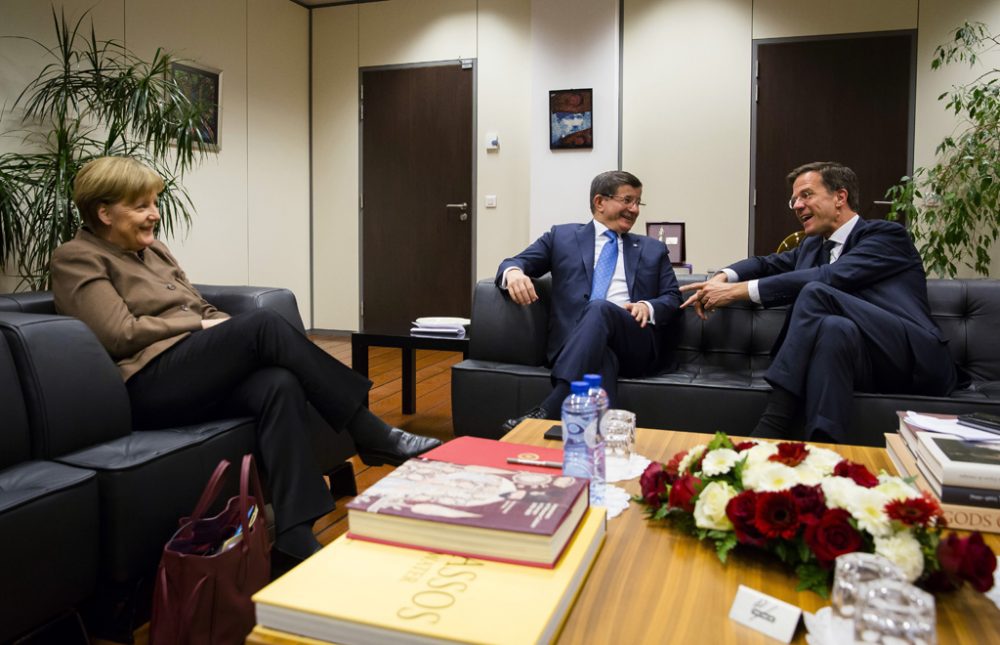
{"x": 537, "y": 412}
{"x": 394, "y": 447}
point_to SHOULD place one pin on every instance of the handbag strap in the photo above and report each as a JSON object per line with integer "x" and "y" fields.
{"x": 211, "y": 490}
{"x": 248, "y": 475}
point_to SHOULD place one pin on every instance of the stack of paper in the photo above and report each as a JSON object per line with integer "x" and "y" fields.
{"x": 443, "y": 326}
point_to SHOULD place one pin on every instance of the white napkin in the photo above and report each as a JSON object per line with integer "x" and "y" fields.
{"x": 615, "y": 500}
{"x": 618, "y": 470}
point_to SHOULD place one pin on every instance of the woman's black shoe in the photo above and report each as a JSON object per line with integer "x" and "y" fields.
{"x": 393, "y": 448}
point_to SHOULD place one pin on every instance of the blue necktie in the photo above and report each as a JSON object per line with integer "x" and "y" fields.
{"x": 605, "y": 267}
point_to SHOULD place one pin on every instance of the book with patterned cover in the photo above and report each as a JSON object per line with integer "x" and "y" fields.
{"x": 481, "y": 511}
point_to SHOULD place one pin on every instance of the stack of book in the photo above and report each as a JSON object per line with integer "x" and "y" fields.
{"x": 447, "y": 548}
{"x": 963, "y": 475}
{"x": 443, "y": 326}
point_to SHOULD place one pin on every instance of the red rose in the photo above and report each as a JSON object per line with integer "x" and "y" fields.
{"x": 683, "y": 491}
{"x": 776, "y": 515}
{"x": 789, "y": 453}
{"x": 809, "y": 502}
{"x": 861, "y": 475}
{"x": 653, "y": 483}
{"x": 969, "y": 559}
{"x": 918, "y": 511}
{"x": 744, "y": 445}
{"x": 741, "y": 511}
{"x": 831, "y": 536}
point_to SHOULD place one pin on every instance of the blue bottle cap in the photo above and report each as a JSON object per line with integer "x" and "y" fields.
{"x": 593, "y": 380}
{"x": 579, "y": 387}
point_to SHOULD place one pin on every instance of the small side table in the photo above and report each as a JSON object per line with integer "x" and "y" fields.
{"x": 408, "y": 344}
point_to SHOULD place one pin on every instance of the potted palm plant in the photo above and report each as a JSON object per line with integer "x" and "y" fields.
{"x": 93, "y": 98}
{"x": 953, "y": 207}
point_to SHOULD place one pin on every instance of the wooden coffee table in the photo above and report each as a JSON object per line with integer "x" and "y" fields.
{"x": 653, "y": 583}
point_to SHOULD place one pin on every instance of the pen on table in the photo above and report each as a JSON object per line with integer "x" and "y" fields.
{"x": 534, "y": 462}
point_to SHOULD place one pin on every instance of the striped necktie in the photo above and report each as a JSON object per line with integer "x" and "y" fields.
{"x": 605, "y": 267}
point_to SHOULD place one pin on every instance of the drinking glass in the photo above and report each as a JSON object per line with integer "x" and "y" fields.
{"x": 853, "y": 570}
{"x": 618, "y": 429}
{"x": 893, "y": 611}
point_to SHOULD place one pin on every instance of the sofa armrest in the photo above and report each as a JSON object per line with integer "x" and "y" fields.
{"x": 236, "y": 300}
{"x": 73, "y": 391}
{"x": 504, "y": 331}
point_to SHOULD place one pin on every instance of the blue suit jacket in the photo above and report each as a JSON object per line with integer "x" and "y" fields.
{"x": 567, "y": 251}
{"x": 878, "y": 264}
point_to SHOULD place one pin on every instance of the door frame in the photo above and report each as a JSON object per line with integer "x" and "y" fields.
{"x": 757, "y": 42}
{"x": 473, "y": 205}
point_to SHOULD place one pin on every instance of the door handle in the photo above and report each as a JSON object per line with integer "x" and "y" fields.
{"x": 463, "y": 205}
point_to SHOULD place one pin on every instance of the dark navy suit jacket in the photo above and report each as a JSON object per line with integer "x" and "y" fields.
{"x": 567, "y": 251}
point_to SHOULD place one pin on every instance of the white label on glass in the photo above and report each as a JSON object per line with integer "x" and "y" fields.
{"x": 766, "y": 614}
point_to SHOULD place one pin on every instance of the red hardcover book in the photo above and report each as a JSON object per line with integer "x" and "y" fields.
{"x": 481, "y": 511}
{"x": 489, "y": 452}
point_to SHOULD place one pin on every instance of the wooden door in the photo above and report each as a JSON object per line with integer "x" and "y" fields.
{"x": 846, "y": 99}
{"x": 417, "y": 194}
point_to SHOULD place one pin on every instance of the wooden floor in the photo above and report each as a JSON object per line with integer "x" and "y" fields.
{"x": 432, "y": 418}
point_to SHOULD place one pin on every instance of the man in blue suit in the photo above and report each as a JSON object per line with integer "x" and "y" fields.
{"x": 612, "y": 293}
{"x": 859, "y": 320}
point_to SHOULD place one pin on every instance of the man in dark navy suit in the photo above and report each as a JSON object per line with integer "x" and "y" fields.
{"x": 859, "y": 319}
{"x": 612, "y": 293}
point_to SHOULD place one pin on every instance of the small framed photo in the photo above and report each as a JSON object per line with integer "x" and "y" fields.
{"x": 571, "y": 119}
{"x": 203, "y": 86}
{"x": 671, "y": 234}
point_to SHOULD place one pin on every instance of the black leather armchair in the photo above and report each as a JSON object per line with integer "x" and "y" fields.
{"x": 717, "y": 383}
{"x": 78, "y": 413}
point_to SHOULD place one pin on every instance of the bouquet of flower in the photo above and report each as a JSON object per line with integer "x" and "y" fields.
{"x": 808, "y": 505}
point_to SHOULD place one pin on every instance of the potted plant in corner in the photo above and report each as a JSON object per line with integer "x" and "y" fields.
{"x": 953, "y": 207}
{"x": 94, "y": 98}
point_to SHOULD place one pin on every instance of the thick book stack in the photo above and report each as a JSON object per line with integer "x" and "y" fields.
{"x": 964, "y": 476}
{"x": 441, "y": 558}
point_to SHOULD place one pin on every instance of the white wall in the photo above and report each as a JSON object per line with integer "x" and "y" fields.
{"x": 251, "y": 197}
{"x": 574, "y": 45}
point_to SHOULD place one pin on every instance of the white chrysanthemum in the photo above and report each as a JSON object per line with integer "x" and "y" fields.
{"x": 719, "y": 462}
{"x": 839, "y": 491}
{"x": 822, "y": 459}
{"x": 895, "y": 488}
{"x": 760, "y": 453}
{"x": 867, "y": 505}
{"x": 903, "y": 550}
{"x": 808, "y": 474}
{"x": 710, "y": 508}
{"x": 690, "y": 458}
{"x": 770, "y": 476}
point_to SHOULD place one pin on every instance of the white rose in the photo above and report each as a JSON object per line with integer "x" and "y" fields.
{"x": 839, "y": 491}
{"x": 719, "y": 462}
{"x": 895, "y": 488}
{"x": 867, "y": 505}
{"x": 903, "y": 550}
{"x": 822, "y": 459}
{"x": 710, "y": 508}
{"x": 690, "y": 458}
{"x": 770, "y": 476}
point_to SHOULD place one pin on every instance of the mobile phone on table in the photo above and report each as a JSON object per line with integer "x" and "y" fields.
{"x": 981, "y": 421}
{"x": 554, "y": 433}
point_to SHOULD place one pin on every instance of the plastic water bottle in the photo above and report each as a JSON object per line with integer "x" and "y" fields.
{"x": 583, "y": 445}
{"x": 599, "y": 394}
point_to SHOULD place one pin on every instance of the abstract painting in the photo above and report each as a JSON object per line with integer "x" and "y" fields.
{"x": 571, "y": 120}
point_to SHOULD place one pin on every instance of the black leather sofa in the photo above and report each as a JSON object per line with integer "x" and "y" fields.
{"x": 718, "y": 380}
{"x": 75, "y": 416}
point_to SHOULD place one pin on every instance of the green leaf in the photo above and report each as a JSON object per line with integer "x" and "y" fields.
{"x": 724, "y": 545}
{"x": 813, "y": 577}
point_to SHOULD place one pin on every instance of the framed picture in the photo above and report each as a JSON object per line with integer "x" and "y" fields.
{"x": 671, "y": 234}
{"x": 571, "y": 119}
{"x": 203, "y": 86}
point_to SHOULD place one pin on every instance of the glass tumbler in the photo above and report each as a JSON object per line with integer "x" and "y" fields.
{"x": 892, "y": 611}
{"x": 853, "y": 570}
{"x": 618, "y": 429}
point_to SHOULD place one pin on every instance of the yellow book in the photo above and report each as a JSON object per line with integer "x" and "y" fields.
{"x": 354, "y": 591}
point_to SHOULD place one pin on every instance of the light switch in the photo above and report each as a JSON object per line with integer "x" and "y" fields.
{"x": 492, "y": 141}
{"x": 491, "y": 201}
